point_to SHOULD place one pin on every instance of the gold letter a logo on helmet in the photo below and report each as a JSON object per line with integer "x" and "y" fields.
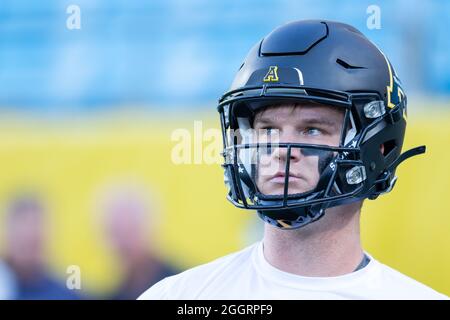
{"x": 272, "y": 75}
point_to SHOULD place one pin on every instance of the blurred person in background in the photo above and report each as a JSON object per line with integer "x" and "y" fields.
{"x": 129, "y": 221}
{"x": 7, "y": 283}
{"x": 25, "y": 251}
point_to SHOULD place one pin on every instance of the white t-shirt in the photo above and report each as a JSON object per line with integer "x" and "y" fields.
{"x": 247, "y": 275}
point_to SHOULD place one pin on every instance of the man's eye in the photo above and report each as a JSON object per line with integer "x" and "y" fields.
{"x": 312, "y": 131}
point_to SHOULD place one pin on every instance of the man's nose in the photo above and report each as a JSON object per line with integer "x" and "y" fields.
{"x": 294, "y": 156}
{"x": 288, "y": 136}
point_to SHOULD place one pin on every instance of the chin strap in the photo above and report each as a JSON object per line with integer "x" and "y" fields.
{"x": 405, "y": 155}
{"x": 385, "y": 183}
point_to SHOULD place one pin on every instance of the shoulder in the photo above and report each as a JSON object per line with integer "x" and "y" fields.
{"x": 192, "y": 282}
{"x": 397, "y": 285}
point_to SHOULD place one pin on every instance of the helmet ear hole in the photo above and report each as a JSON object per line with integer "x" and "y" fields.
{"x": 387, "y": 147}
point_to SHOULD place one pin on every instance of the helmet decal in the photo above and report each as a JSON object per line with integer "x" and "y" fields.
{"x": 394, "y": 91}
{"x": 272, "y": 74}
{"x": 300, "y": 76}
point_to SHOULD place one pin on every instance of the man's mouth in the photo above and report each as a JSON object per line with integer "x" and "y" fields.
{"x": 280, "y": 178}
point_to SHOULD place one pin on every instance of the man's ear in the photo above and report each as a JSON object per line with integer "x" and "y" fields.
{"x": 382, "y": 148}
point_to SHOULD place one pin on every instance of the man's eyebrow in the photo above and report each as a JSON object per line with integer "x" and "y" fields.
{"x": 320, "y": 121}
{"x": 263, "y": 120}
{"x": 308, "y": 121}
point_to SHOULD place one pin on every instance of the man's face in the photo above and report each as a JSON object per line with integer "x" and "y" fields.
{"x": 301, "y": 123}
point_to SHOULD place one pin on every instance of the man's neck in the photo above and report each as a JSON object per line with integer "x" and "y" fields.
{"x": 326, "y": 248}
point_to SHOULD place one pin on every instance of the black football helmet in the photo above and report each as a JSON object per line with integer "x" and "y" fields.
{"x": 323, "y": 63}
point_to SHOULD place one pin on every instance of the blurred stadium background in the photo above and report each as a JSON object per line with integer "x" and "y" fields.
{"x": 88, "y": 114}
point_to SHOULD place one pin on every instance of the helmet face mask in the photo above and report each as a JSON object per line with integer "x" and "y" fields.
{"x": 290, "y": 179}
